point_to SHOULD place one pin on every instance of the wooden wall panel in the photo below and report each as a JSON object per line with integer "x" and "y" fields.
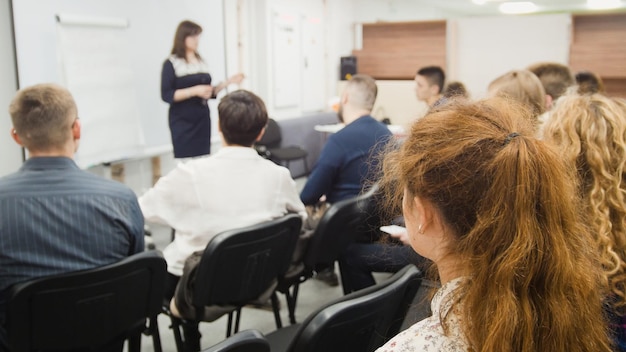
{"x": 397, "y": 50}
{"x": 615, "y": 87}
{"x": 599, "y": 44}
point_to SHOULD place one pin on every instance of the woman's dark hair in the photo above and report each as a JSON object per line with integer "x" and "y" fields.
{"x": 589, "y": 83}
{"x": 455, "y": 89}
{"x": 184, "y": 30}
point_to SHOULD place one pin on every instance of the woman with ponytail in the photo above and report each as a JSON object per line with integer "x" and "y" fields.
{"x": 496, "y": 211}
{"x": 590, "y": 133}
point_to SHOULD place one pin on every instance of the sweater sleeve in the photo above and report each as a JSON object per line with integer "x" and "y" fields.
{"x": 325, "y": 171}
{"x": 168, "y": 82}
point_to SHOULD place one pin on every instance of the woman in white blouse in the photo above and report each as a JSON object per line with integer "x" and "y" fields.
{"x": 496, "y": 211}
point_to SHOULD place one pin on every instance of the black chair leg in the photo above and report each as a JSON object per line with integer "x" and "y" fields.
{"x": 153, "y": 330}
{"x": 290, "y": 307}
{"x": 238, "y": 317}
{"x": 292, "y": 297}
{"x": 134, "y": 342}
{"x": 346, "y": 285}
{"x": 306, "y": 167}
{"x": 233, "y": 329}
{"x": 279, "y": 323}
{"x": 230, "y": 325}
{"x": 177, "y": 335}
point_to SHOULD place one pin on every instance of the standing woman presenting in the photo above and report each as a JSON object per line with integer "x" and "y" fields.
{"x": 186, "y": 86}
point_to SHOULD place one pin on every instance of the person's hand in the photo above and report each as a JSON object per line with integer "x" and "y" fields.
{"x": 402, "y": 237}
{"x": 397, "y": 232}
{"x": 236, "y": 78}
{"x": 203, "y": 91}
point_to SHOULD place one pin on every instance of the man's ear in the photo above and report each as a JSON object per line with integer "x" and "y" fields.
{"x": 15, "y": 137}
{"x": 76, "y": 129}
{"x": 344, "y": 98}
{"x": 435, "y": 89}
{"x": 258, "y": 138}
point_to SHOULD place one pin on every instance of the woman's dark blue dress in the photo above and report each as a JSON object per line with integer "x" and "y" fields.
{"x": 190, "y": 119}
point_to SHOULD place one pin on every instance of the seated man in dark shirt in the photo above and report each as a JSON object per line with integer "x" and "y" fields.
{"x": 344, "y": 165}
{"x": 348, "y": 157}
{"x": 57, "y": 218}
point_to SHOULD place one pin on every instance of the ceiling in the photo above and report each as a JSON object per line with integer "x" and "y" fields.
{"x": 469, "y": 8}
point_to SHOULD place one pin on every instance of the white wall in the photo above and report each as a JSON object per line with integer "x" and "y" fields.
{"x": 286, "y": 58}
{"x": 482, "y": 49}
{"x": 10, "y": 153}
{"x": 341, "y": 19}
{"x": 246, "y": 50}
{"x": 368, "y": 11}
{"x": 232, "y": 38}
{"x": 259, "y": 55}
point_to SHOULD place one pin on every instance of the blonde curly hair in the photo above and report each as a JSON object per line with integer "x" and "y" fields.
{"x": 590, "y": 132}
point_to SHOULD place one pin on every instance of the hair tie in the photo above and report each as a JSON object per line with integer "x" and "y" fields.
{"x": 509, "y": 137}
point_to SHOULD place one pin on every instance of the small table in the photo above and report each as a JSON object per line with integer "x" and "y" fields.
{"x": 396, "y": 130}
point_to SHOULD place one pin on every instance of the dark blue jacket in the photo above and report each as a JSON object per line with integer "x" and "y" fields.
{"x": 347, "y": 161}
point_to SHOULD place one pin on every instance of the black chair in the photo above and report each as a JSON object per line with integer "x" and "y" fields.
{"x": 270, "y": 147}
{"x": 244, "y": 341}
{"x": 341, "y": 224}
{"x": 420, "y": 307}
{"x": 361, "y": 321}
{"x": 89, "y": 308}
{"x": 240, "y": 265}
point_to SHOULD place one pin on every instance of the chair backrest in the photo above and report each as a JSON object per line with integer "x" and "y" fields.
{"x": 85, "y": 308}
{"x": 361, "y": 321}
{"x": 340, "y": 225}
{"x": 272, "y": 136}
{"x": 243, "y": 341}
{"x": 237, "y": 266}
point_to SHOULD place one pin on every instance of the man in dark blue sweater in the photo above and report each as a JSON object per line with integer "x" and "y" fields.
{"x": 348, "y": 160}
{"x": 349, "y": 156}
